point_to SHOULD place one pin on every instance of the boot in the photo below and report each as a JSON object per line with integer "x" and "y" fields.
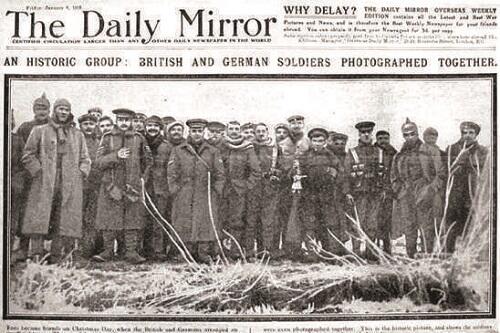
{"x": 36, "y": 252}
{"x": 108, "y": 245}
{"x": 131, "y": 241}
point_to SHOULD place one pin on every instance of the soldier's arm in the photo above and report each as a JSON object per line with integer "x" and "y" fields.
{"x": 31, "y": 152}
{"x": 394, "y": 176}
{"x": 255, "y": 170}
{"x": 219, "y": 176}
{"x": 106, "y": 158}
{"x": 85, "y": 163}
{"x": 348, "y": 163}
{"x": 173, "y": 172}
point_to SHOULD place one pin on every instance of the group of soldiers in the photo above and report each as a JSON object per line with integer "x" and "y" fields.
{"x": 230, "y": 189}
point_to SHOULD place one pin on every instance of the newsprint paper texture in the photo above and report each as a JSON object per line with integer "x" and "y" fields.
{"x": 249, "y": 166}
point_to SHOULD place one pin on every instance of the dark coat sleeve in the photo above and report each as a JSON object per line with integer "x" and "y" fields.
{"x": 106, "y": 157}
{"x": 219, "y": 177}
{"x": 31, "y": 152}
{"x": 255, "y": 172}
{"x": 173, "y": 172}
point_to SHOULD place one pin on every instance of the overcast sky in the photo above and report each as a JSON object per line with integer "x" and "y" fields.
{"x": 332, "y": 104}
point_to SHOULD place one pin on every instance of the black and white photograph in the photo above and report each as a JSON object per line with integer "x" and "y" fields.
{"x": 250, "y": 197}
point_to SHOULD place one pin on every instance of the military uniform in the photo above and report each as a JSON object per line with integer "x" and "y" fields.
{"x": 466, "y": 171}
{"x": 366, "y": 181}
{"x": 90, "y": 242}
{"x": 263, "y": 199}
{"x": 322, "y": 170}
{"x": 243, "y": 174}
{"x": 155, "y": 239}
{"x": 196, "y": 179}
{"x": 120, "y": 206}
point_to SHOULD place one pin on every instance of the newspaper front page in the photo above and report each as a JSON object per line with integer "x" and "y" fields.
{"x": 265, "y": 166}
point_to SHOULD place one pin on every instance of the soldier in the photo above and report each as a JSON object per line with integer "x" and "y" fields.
{"x": 430, "y": 140}
{"x": 416, "y": 185}
{"x": 263, "y": 199}
{"x": 57, "y": 159}
{"x": 88, "y": 125}
{"x": 105, "y": 124}
{"x": 385, "y": 218}
{"x": 196, "y": 179}
{"x": 175, "y": 133}
{"x": 138, "y": 123}
{"x": 281, "y": 131}
{"x": 96, "y": 112}
{"x": 41, "y": 109}
{"x": 248, "y": 131}
{"x": 155, "y": 241}
{"x": 322, "y": 169}
{"x": 293, "y": 147}
{"x": 18, "y": 195}
{"x": 215, "y": 131}
{"x": 467, "y": 159}
{"x": 366, "y": 184}
{"x": 123, "y": 158}
{"x": 337, "y": 143}
{"x": 166, "y": 121}
{"x": 243, "y": 173}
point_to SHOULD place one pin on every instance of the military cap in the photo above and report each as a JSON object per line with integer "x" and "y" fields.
{"x": 339, "y": 136}
{"x": 154, "y": 119}
{"x": 430, "y": 131}
{"x": 382, "y": 132}
{"x": 42, "y": 101}
{"x": 123, "y": 112}
{"x": 96, "y": 109}
{"x": 282, "y": 125}
{"x": 62, "y": 102}
{"x": 318, "y": 131}
{"x": 193, "y": 123}
{"x": 470, "y": 124}
{"x": 365, "y": 125}
{"x": 87, "y": 117}
{"x": 246, "y": 126}
{"x": 167, "y": 120}
{"x": 295, "y": 117}
{"x": 215, "y": 125}
{"x": 409, "y": 126}
{"x": 141, "y": 116}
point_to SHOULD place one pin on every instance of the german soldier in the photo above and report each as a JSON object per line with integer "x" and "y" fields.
{"x": 57, "y": 159}
{"x": 365, "y": 183}
{"x": 215, "y": 132}
{"x": 248, "y": 131}
{"x": 416, "y": 185}
{"x": 123, "y": 158}
{"x": 467, "y": 158}
{"x": 138, "y": 123}
{"x": 196, "y": 179}
{"x": 263, "y": 199}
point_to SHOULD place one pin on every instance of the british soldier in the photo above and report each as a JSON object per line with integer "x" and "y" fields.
{"x": 383, "y": 141}
{"x": 88, "y": 125}
{"x": 281, "y": 132}
{"x": 366, "y": 184}
{"x": 263, "y": 199}
{"x": 155, "y": 242}
{"x": 96, "y": 112}
{"x": 322, "y": 170}
{"x": 467, "y": 158}
{"x": 243, "y": 173}
{"x": 167, "y": 120}
{"x": 57, "y": 159}
{"x": 123, "y": 158}
{"x": 416, "y": 185}
{"x": 196, "y": 179}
